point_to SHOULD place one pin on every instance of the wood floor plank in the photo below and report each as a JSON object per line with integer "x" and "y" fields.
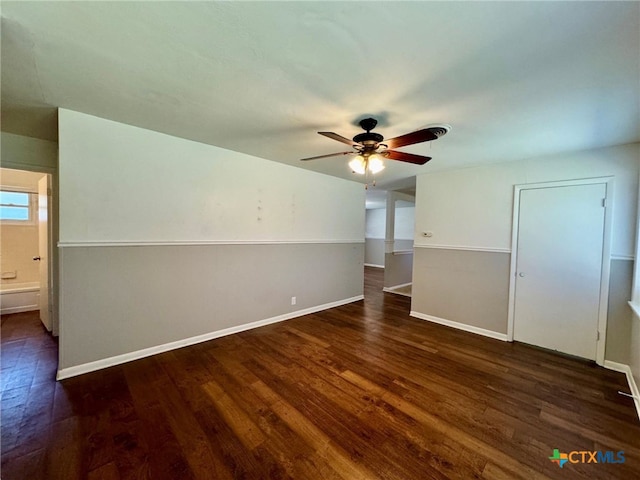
{"x": 300, "y": 459}
{"x": 63, "y": 459}
{"x": 167, "y": 459}
{"x": 108, "y": 471}
{"x": 361, "y": 391}
{"x": 516, "y": 468}
{"x": 247, "y": 431}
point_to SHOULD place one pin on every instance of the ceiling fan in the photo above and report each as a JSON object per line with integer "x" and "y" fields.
{"x": 370, "y": 147}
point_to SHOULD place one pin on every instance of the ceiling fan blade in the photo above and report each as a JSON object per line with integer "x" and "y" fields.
{"x": 424, "y": 135}
{"x": 339, "y": 138}
{"x": 328, "y": 155}
{"x": 406, "y": 157}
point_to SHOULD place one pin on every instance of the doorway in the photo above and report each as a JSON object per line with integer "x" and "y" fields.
{"x": 27, "y": 278}
{"x": 560, "y": 268}
{"x": 398, "y": 273}
{"x": 389, "y": 233}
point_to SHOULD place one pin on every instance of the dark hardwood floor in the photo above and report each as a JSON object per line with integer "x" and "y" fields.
{"x": 361, "y": 391}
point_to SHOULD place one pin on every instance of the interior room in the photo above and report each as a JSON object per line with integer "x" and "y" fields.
{"x": 320, "y": 240}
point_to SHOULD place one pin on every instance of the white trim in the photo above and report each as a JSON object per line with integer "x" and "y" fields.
{"x": 388, "y": 289}
{"x": 460, "y": 326}
{"x": 146, "y": 352}
{"x": 17, "y": 189}
{"x": 622, "y": 257}
{"x": 390, "y": 241}
{"x": 15, "y": 294}
{"x": 395, "y": 287}
{"x": 633, "y": 387}
{"x": 395, "y": 292}
{"x": 142, "y": 243}
{"x": 606, "y": 254}
{"x": 636, "y": 309}
{"x": 19, "y": 288}
{"x": 30, "y": 167}
{"x": 464, "y": 247}
{"x": 373, "y": 265}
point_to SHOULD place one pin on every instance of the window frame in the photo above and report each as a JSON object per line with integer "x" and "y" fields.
{"x": 32, "y": 207}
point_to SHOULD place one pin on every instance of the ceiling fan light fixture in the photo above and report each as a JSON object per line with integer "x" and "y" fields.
{"x": 370, "y": 149}
{"x": 358, "y": 165}
{"x": 375, "y": 164}
{"x": 372, "y": 163}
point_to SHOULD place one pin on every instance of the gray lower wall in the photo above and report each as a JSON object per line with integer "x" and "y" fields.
{"x": 464, "y": 286}
{"x": 472, "y": 287}
{"x": 398, "y": 268}
{"x": 400, "y": 245}
{"x": 634, "y": 341}
{"x": 619, "y": 315}
{"x": 121, "y": 299}
{"x": 374, "y": 249}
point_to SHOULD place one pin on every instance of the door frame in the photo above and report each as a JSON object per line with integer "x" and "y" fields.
{"x": 606, "y": 254}
{"x": 48, "y": 249}
{"x": 52, "y": 235}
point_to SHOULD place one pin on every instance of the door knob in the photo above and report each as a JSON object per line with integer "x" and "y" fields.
{"x": 37, "y": 258}
{"x": 521, "y": 274}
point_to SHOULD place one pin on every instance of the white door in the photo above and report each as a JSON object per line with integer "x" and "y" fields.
{"x": 559, "y": 266}
{"x": 43, "y": 249}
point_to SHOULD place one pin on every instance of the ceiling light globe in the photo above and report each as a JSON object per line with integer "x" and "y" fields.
{"x": 357, "y": 165}
{"x": 375, "y": 164}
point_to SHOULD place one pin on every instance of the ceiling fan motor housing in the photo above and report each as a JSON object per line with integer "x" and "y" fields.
{"x": 368, "y": 139}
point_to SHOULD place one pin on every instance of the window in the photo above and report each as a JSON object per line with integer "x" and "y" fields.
{"x": 15, "y": 207}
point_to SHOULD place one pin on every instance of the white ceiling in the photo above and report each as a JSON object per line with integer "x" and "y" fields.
{"x": 513, "y": 79}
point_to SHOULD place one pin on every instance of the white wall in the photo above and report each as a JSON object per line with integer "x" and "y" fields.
{"x": 473, "y": 207}
{"x": 404, "y": 223}
{"x": 166, "y": 241}
{"x": 28, "y": 153}
{"x": 136, "y": 185}
{"x": 376, "y": 219}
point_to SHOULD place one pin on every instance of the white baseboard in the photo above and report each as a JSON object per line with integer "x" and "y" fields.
{"x": 461, "y": 326}
{"x": 395, "y": 287}
{"x": 23, "y": 308}
{"x": 394, "y": 292}
{"x": 20, "y": 297}
{"x": 373, "y": 265}
{"x": 388, "y": 289}
{"x": 633, "y": 387}
{"x": 147, "y": 352}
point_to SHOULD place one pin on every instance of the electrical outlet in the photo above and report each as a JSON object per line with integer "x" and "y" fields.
{"x": 293, "y": 300}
